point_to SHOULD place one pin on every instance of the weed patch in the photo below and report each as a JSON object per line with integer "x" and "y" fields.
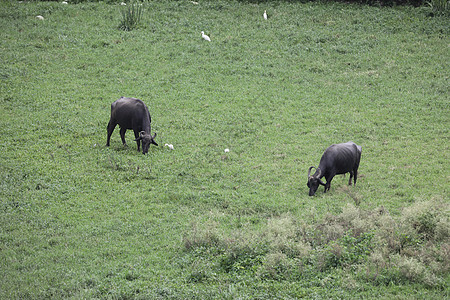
{"x": 380, "y": 247}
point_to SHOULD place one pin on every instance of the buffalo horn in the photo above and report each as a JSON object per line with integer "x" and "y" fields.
{"x": 320, "y": 172}
{"x": 309, "y": 171}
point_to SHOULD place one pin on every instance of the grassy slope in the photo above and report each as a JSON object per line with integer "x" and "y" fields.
{"x": 80, "y": 219}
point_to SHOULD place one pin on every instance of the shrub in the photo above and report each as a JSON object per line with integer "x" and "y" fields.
{"x": 277, "y": 266}
{"x": 416, "y": 271}
{"x": 427, "y": 219}
{"x": 347, "y": 250}
{"x": 283, "y": 234}
{"x": 425, "y": 225}
{"x": 242, "y": 257}
{"x": 442, "y": 229}
{"x": 204, "y": 237}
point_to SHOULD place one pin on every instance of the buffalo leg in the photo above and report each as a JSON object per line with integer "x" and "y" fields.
{"x": 110, "y": 130}
{"x": 356, "y": 175}
{"x": 350, "y": 179}
{"x": 138, "y": 142}
{"x": 328, "y": 184}
{"x": 122, "y": 135}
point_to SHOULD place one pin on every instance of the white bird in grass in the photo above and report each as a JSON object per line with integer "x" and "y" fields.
{"x": 40, "y": 17}
{"x": 169, "y": 145}
{"x": 204, "y": 36}
{"x": 265, "y": 15}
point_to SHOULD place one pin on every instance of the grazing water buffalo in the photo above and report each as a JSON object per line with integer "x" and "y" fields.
{"x": 131, "y": 113}
{"x": 337, "y": 159}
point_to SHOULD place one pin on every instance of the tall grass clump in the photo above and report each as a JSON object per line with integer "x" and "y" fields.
{"x": 131, "y": 15}
{"x": 439, "y": 7}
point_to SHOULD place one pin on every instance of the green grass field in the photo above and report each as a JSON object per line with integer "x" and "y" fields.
{"x": 82, "y": 220}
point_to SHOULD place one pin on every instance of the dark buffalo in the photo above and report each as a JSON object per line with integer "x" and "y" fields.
{"x": 337, "y": 159}
{"x": 131, "y": 113}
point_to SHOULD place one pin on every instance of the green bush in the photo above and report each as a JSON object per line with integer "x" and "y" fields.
{"x": 243, "y": 258}
{"x": 278, "y": 266}
{"x": 346, "y": 251}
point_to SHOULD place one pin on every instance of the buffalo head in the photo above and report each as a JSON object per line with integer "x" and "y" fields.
{"x": 314, "y": 181}
{"x": 146, "y": 139}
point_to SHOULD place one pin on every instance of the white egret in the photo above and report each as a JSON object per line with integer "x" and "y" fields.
{"x": 265, "y": 15}
{"x": 40, "y": 17}
{"x": 227, "y": 150}
{"x": 204, "y": 36}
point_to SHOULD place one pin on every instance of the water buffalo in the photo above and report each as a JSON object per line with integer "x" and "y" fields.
{"x": 131, "y": 113}
{"x": 337, "y": 159}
